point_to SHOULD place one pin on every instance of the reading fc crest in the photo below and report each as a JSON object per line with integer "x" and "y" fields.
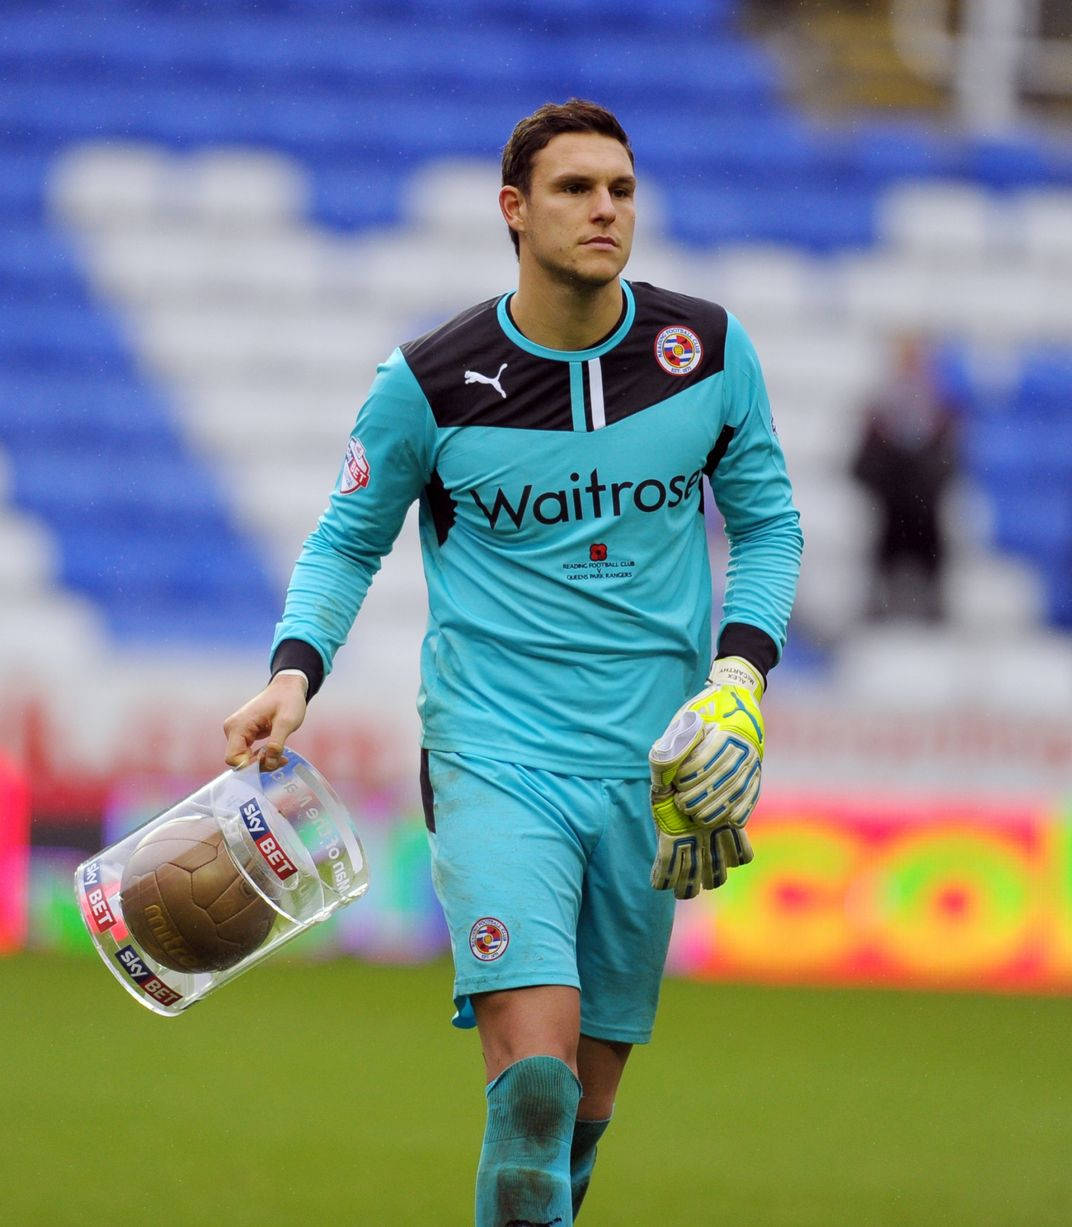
{"x": 488, "y": 939}
{"x": 678, "y": 350}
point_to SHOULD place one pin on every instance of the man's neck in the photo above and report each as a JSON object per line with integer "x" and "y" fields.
{"x": 566, "y": 317}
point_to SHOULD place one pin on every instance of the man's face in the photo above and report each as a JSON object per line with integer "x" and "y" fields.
{"x": 576, "y": 222}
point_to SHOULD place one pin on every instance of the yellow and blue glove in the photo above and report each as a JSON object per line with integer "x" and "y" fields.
{"x": 705, "y": 776}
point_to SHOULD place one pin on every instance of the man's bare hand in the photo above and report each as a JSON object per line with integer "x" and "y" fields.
{"x": 274, "y": 714}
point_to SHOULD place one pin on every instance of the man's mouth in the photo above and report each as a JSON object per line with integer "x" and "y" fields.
{"x": 601, "y": 240}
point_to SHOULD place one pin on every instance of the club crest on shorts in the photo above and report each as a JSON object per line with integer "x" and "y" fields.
{"x": 488, "y": 939}
{"x": 355, "y": 468}
{"x": 678, "y": 350}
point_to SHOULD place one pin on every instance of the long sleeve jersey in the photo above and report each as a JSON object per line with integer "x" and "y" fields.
{"x": 561, "y": 526}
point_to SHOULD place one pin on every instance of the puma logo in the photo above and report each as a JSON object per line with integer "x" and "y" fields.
{"x": 491, "y": 380}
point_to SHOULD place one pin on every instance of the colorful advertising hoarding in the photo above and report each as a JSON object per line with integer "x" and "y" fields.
{"x": 867, "y": 889}
{"x": 950, "y": 894}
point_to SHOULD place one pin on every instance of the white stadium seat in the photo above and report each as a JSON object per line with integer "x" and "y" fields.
{"x": 945, "y": 221}
{"x": 106, "y": 186}
{"x": 48, "y": 633}
{"x": 772, "y": 282}
{"x": 236, "y": 189}
{"x": 1042, "y": 221}
{"x": 986, "y": 592}
{"x": 456, "y": 198}
{"x": 28, "y": 555}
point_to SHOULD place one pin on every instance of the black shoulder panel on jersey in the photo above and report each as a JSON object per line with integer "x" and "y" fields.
{"x": 633, "y": 378}
{"x": 441, "y": 505}
{"x": 473, "y": 375}
{"x": 716, "y": 453}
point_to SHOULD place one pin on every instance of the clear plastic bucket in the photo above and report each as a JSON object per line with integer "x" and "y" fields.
{"x": 219, "y": 881}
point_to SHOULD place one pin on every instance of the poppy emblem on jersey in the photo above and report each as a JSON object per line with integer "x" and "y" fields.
{"x": 678, "y": 350}
{"x": 597, "y": 552}
{"x": 355, "y": 468}
{"x": 488, "y": 939}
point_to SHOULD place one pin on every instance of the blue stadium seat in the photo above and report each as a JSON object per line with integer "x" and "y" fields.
{"x": 61, "y": 335}
{"x": 706, "y": 15}
{"x": 885, "y": 151}
{"x": 698, "y": 72}
{"x": 367, "y": 193}
{"x": 1017, "y": 444}
{"x": 151, "y": 542}
{"x": 1010, "y": 448}
{"x": 1045, "y": 381}
{"x": 1059, "y": 593}
{"x": 814, "y": 218}
{"x": 54, "y": 112}
{"x": 162, "y": 566}
{"x": 1027, "y": 160}
{"x": 1036, "y": 522}
{"x": 754, "y": 148}
{"x": 72, "y": 488}
{"x": 42, "y": 410}
{"x": 390, "y": 127}
{"x": 36, "y": 265}
{"x": 194, "y": 621}
{"x": 22, "y": 174}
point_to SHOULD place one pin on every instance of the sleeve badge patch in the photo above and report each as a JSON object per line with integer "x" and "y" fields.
{"x": 488, "y": 939}
{"x": 355, "y": 468}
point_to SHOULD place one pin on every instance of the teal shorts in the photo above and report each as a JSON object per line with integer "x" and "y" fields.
{"x": 544, "y": 879}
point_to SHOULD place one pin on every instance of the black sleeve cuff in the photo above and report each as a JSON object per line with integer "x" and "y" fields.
{"x": 297, "y": 654}
{"x": 756, "y": 646}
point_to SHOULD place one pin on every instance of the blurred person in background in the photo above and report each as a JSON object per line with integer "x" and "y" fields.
{"x": 557, "y": 439}
{"x": 905, "y": 460}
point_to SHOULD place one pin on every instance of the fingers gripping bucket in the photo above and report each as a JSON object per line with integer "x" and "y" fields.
{"x": 218, "y": 882}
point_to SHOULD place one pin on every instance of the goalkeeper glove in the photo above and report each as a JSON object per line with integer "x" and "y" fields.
{"x": 705, "y": 776}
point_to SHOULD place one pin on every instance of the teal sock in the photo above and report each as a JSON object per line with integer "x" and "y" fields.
{"x": 586, "y": 1133}
{"x": 524, "y": 1175}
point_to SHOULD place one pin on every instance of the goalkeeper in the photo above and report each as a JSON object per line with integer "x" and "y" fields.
{"x": 583, "y": 763}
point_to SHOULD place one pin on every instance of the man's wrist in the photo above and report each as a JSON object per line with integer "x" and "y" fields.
{"x": 737, "y": 671}
{"x": 294, "y": 673}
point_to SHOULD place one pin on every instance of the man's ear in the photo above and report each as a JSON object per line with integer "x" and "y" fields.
{"x": 512, "y": 206}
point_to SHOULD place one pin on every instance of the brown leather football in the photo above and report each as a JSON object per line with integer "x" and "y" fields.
{"x": 185, "y": 901}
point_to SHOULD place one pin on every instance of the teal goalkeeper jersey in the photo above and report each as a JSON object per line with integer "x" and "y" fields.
{"x": 561, "y": 526}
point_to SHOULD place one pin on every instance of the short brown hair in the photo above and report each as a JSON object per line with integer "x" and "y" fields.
{"x": 535, "y": 131}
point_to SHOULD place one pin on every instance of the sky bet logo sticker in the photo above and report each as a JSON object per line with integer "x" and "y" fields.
{"x": 149, "y": 982}
{"x": 100, "y": 913}
{"x": 356, "y": 470}
{"x": 278, "y": 861}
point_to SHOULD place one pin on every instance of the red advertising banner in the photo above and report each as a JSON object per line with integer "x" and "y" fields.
{"x": 14, "y": 855}
{"x": 943, "y": 894}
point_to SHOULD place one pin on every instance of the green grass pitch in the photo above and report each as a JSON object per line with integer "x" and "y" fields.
{"x": 337, "y": 1093}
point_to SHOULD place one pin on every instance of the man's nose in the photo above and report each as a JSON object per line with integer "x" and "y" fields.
{"x": 603, "y": 206}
